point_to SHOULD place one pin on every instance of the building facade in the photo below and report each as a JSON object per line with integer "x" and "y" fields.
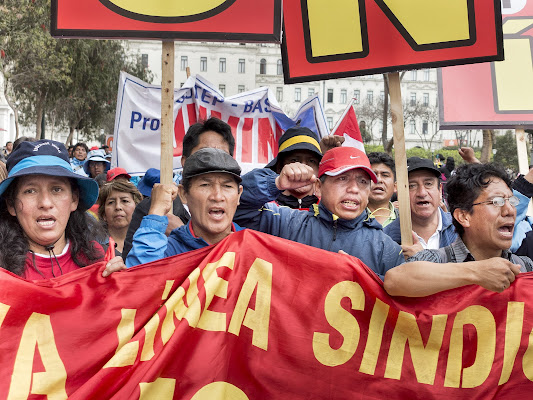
{"x": 238, "y": 67}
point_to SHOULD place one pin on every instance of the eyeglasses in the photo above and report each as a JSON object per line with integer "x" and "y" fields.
{"x": 500, "y": 201}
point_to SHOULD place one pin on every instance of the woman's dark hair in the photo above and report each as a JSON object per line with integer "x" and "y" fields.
{"x": 81, "y": 144}
{"x": 82, "y": 230}
{"x": 465, "y": 186}
{"x": 192, "y": 137}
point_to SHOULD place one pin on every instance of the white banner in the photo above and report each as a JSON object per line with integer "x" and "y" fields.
{"x": 255, "y": 117}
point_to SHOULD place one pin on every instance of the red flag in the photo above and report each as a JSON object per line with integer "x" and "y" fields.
{"x": 349, "y": 128}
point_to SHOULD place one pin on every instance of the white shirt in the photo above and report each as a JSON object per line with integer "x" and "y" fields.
{"x": 434, "y": 241}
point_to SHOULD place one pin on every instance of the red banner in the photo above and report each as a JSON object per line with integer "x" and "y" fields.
{"x": 213, "y": 20}
{"x": 340, "y": 38}
{"x": 258, "y": 317}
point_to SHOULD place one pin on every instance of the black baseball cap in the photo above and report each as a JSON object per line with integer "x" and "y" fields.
{"x": 417, "y": 163}
{"x": 208, "y": 160}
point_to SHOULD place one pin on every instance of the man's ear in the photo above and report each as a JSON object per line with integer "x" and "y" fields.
{"x": 240, "y": 193}
{"x": 183, "y": 158}
{"x": 462, "y": 216}
{"x": 181, "y": 194}
{"x": 318, "y": 187}
{"x": 395, "y": 187}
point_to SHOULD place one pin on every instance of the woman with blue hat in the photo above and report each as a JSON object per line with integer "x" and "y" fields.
{"x": 44, "y": 229}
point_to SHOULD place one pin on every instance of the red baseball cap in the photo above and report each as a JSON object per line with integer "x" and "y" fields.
{"x": 113, "y": 173}
{"x": 341, "y": 159}
{"x": 94, "y": 148}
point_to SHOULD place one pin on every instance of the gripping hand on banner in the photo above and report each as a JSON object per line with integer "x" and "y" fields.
{"x": 294, "y": 176}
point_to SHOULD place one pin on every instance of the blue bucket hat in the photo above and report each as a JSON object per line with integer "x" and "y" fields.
{"x": 47, "y": 157}
{"x": 96, "y": 155}
{"x": 148, "y": 181}
{"x": 297, "y": 138}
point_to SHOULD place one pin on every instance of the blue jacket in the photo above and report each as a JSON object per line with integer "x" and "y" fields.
{"x": 447, "y": 234}
{"x": 361, "y": 237}
{"x": 150, "y": 242}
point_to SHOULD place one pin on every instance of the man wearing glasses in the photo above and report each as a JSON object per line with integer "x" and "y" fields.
{"x": 483, "y": 208}
{"x": 432, "y": 227}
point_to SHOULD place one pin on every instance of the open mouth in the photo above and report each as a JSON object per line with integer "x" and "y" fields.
{"x": 46, "y": 221}
{"x": 217, "y": 213}
{"x": 350, "y": 204}
{"x": 506, "y": 230}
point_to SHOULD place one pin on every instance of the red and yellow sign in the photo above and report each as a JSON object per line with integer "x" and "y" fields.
{"x": 340, "y": 38}
{"x": 494, "y": 95}
{"x": 258, "y": 317}
{"x": 213, "y": 20}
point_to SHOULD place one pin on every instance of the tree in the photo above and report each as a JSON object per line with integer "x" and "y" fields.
{"x": 74, "y": 81}
{"x": 486, "y": 150}
{"x": 506, "y": 152}
{"x": 418, "y": 111}
{"x": 89, "y": 100}
{"x": 35, "y": 65}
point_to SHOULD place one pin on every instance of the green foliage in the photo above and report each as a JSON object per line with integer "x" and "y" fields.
{"x": 74, "y": 81}
{"x": 506, "y": 152}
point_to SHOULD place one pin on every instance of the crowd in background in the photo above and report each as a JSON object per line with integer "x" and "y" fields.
{"x": 316, "y": 192}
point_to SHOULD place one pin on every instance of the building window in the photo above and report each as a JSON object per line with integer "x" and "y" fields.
{"x": 330, "y": 96}
{"x": 412, "y": 99}
{"x": 426, "y": 99}
{"x": 426, "y": 75}
{"x": 144, "y": 60}
{"x": 240, "y": 89}
{"x": 310, "y": 92}
{"x": 241, "y": 65}
{"x": 413, "y": 75}
{"x": 357, "y": 96}
{"x": 344, "y": 96}
{"x": 203, "y": 64}
{"x": 279, "y": 67}
{"x": 425, "y": 128}
{"x": 370, "y": 96}
{"x": 382, "y": 95}
{"x": 222, "y": 65}
{"x": 222, "y": 89}
{"x": 412, "y": 127}
{"x": 262, "y": 66}
{"x": 184, "y": 63}
{"x": 279, "y": 93}
{"x": 297, "y": 95}
{"x": 330, "y": 122}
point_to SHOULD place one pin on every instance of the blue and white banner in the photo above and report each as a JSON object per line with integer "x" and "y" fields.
{"x": 256, "y": 119}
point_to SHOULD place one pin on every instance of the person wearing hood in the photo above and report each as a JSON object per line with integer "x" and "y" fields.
{"x": 211, "y": 189}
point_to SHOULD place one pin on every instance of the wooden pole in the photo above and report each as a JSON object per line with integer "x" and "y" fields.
{"x": 167, "y": 111}
{"x": 521, "y": 148}
{"x": 400, "y": 158}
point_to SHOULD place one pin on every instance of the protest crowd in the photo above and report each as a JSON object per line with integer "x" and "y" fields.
{"x": 62, "y": 209}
